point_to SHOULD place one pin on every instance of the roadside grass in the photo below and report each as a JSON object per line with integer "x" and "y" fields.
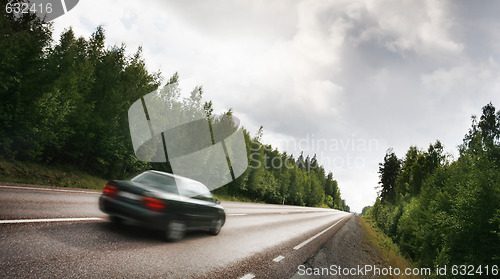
{"x": 387, "y": 250}
{"x": 226, "y": 197}
{"x": 39, "y": 174}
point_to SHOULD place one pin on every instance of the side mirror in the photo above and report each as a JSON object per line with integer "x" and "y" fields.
{"x": 217, "y": 201}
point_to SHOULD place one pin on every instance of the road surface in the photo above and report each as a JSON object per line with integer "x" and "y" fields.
{"x": 58, "y": 232}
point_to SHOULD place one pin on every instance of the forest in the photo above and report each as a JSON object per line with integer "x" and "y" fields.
{"x": 445, "y": 211}
{"x": 65, "y": 102}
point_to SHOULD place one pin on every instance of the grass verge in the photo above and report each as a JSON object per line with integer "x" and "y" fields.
{"x": 386, "y": 249}
{"x": 38, "y": 174}
{"x": 225, "y": 197}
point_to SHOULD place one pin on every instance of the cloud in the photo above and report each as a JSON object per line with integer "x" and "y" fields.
{"x": 420, "y": 27}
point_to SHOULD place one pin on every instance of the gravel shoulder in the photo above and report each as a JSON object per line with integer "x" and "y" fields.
{"x": 349, "y": 248}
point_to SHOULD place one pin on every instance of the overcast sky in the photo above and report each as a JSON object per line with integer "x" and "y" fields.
{"x": 345, "y": 80}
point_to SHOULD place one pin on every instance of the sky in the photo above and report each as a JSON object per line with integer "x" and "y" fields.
{"x": 344, "y": 80}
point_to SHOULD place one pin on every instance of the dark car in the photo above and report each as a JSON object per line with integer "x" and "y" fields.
{"x": 163, "y": 201}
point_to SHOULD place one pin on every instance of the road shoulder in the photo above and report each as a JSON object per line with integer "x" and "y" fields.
{"x": 349, "y": 248}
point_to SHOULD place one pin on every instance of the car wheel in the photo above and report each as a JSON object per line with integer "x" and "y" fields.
{"x": 175, "y": 230}
{"x": 216, "y": 226}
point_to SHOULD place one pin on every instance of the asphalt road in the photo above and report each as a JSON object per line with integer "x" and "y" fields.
{"x": 60, "y": 233}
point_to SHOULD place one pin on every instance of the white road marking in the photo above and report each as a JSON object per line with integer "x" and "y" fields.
{"x": 315, "y": 236}
{"x": 278, "y": 259}
{"x": 236, "y": 214}
{"x": 50, "y": 220}
{"x": 49, "y": 189}
{"x": 248, "y": 276}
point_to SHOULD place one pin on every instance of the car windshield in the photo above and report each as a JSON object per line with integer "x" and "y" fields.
{"x": 161, "y": 182}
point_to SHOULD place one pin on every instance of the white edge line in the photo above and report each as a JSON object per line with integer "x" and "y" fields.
{"x": 278, "y": 259}
{"x": 48, "y": 189}
{"x": 315, "y": 236}
{"x": 50, "y": 220}
{"x": 236, "y": 214}
{"x": 248, "y": 276}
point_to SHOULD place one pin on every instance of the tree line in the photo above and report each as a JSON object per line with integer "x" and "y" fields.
{"x": 442, "y": 211}
{"x": 66, "y": 103}
{"x": 280, "y": 178}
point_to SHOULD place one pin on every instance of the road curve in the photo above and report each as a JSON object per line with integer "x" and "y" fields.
{"x": 48, "y": 232}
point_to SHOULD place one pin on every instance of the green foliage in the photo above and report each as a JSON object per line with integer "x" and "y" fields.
{"x": 66, "y": 103}
{"x": 389, "y": 171}
{"x": 41, "y": 174}
{"x": 365, "y": 210}
{"x": 448, "y": 212}
{"x": 275, "y": 177}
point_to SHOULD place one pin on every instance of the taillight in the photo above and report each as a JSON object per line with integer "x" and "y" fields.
{"x": 110, "y": 190}
{"x": 154, "y": 204}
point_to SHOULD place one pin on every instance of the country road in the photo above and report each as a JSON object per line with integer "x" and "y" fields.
{"x": 59, "y": 232}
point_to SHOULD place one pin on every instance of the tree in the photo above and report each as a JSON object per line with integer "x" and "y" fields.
{"x": 23, "y": 45}
{"x": 329, "y": 184}
{"x": 345, "y": 207}
{"x": 365, "y": 210}
{"x": 388, "y": 173}
{"x": 485, "y": 134}
{"x": 300, "y": 161}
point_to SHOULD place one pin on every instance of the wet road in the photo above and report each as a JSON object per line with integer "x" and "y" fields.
{"x": 59, "y": 232}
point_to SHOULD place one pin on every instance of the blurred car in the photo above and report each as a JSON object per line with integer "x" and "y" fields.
{"x": 163, "y": 201}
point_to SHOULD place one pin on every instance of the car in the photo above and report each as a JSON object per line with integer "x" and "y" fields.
{"x": 163, "y": 201}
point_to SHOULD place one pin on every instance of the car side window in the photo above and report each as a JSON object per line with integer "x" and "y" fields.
{"x": 188, "y": 189}
{"x": 168, "y": 184}
{"x": 194, "y": 190}
{"x": 204, "y": 192}
{"x": 161, "y": 182}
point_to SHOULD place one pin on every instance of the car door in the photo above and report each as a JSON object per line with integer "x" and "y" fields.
{"x": 208, "y": 212}
{"x": 193, "y": 207}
